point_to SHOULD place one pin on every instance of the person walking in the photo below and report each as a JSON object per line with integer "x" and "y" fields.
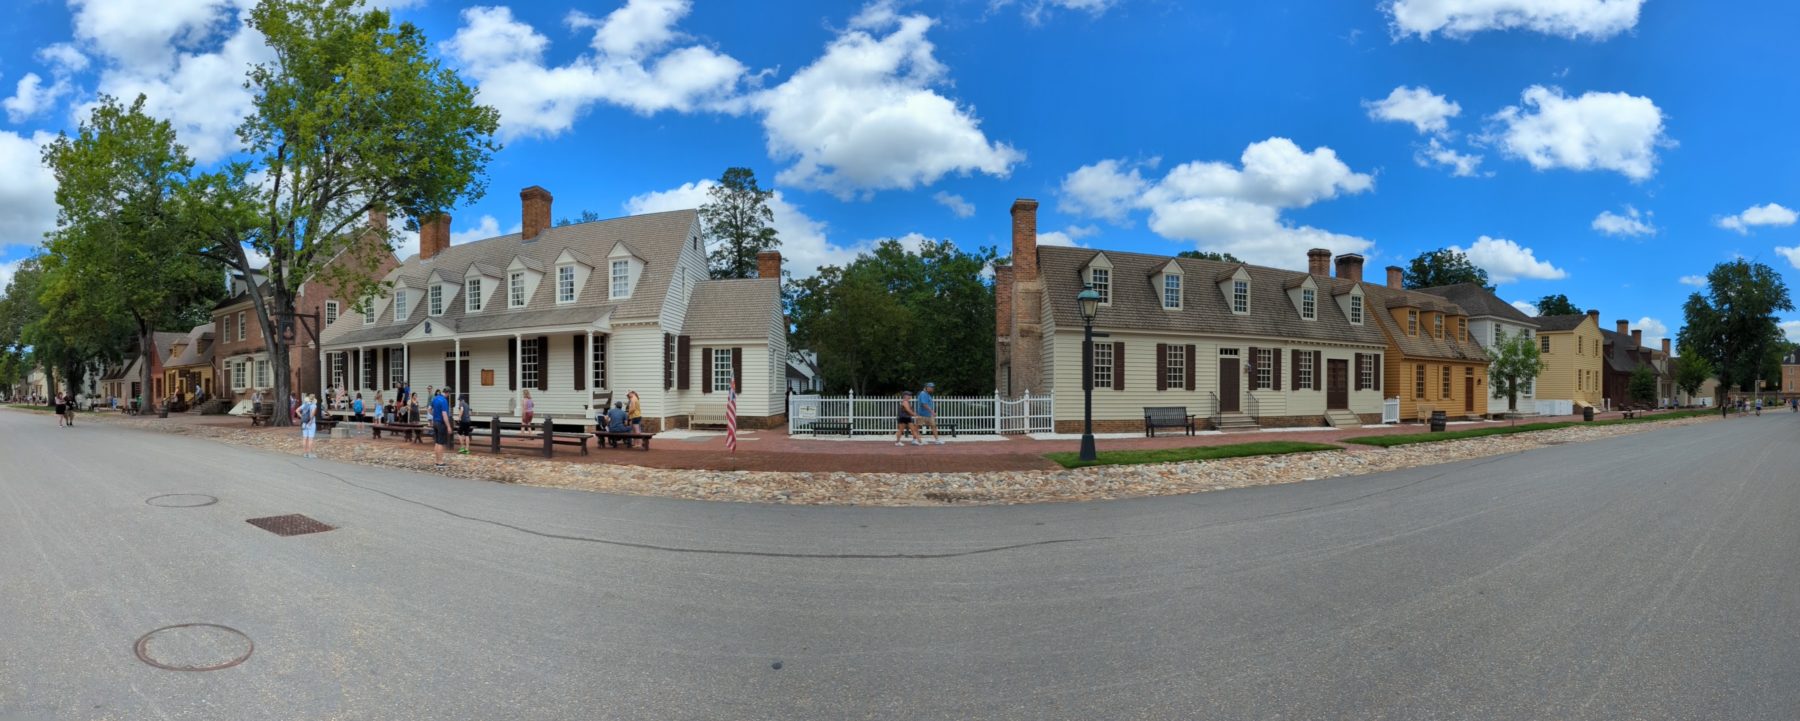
{"x": 308, "y": 414}
{"x": 529, "y": 410}
{"x": 440, "y": 426}
{"x": 57, "y": 404}
{"x": 465, "y": 422}
{"x": 903, "y": 421}
{"x": 634, "y": 413}
{"x": 70, "y": 404}
{"x": 928, "y": 413}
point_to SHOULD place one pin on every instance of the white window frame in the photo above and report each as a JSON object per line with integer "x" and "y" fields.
{"x": 397, "y": 367}
{"x": 400, "y": 311}
{"x": 1309, "y": 304}
{"x": 1240, "y": 297}
{"x": 242, "y": 316}
{"x": 597, "y": 356}
{"x": 1172, "y": 291}
{"x": 1265, "y": 368}
{"x": 331, "y": 312}
{"x": 1306, "y": 370}
{"x": 721, "y": 370}
{"x": 515, "y": 289}
{"x": 528, "y": 365}
{"x": 1356, "y": 309}
{"x": 1412, "y": 323}
{"x": 435, "y": 300}
{"x": 1100, "y": 279}
{"x": 565, "y": 283}
{"x": 262, "y": 374}
{"x": 338, "y": 360}
{"x": 1175, "y": 367}
{"x": 472, "y": 289}
{"x": 619, "y": 279}
{"x": 1437, "y": 325}
{"x": 1103, "y": 365}
{"x": 1366, "y": 372}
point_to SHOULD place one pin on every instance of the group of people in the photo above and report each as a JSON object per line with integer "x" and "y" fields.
{"x": 1748, "y": 405}
{"x": 64, "y": 405}
{"x": 623, "y": 417}
{"x": 917, "y": 413}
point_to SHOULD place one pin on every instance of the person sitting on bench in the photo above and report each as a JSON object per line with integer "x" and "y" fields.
{"x": 618, "y": 422}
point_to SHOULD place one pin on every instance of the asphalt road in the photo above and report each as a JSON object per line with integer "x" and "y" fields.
{"x": 1651, "y": 576}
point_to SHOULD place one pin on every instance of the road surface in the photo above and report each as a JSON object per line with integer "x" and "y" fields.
{"x": 1650, "y": 576}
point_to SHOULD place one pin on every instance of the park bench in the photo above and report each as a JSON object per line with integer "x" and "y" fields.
{"x": 259, "y": 419}
{"x": 610, "y": 439}
{"x": 414, "y": 432}
{"x": 546, "y": 439}
{"x": 836, "y": 428}
{"x": 707, "y": 414}
{"x": 1167, "y": 417}
{"x": 1629, "y": 412}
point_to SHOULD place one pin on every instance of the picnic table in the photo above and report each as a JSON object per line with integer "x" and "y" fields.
{"x": 547, "y": 438}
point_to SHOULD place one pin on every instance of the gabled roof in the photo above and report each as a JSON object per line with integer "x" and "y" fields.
{"x": 193, "y": 355}
{"x": 1480, "y": 303}
{"x": 1559, "y": 323}
{"x": 734, "y": 308}
{"x": 1137, "y": 305}
{"x": 1423, "y": 345}
{"x": 1621, "y": 352}
{"x": 1792, "y": 358}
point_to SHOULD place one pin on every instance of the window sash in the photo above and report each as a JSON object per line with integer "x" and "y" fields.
{"x": 1419, "y": 381}
{"x": 242, "y": 315}
{"x": 621, "y": 278}
{"x": 1103, "y": 365}
{"x": 1412, "y": 323}
{"x": 400, "y": 310}
{"x": 1175, "y": 365}
{"x": 472, "y": 303}
{"x": 1306, "y": 370}
{"x": 1366, "y": 372}
{"x": 331, "y": 312}
{"x": 1446, "y": 383}
{"x": 1171, "y": 291}
{"x": 1100, "y": 279}
{"x": 1309, "y": 304}
{"x": 1265, "y": 368}
{"x": 721, "y": 367}
{"x": 1437, "y": 323}
{"x": 1240, "y": 296}
{"x": 516, "y": 289}
{"x": 565, "y": 284}
{"x": 1356, "y": 309}
{"x": 528, "y": 364}
{"x": 598, "y": 354}
{"x": 396, "y": 367}
{"x": 437, "y": 300}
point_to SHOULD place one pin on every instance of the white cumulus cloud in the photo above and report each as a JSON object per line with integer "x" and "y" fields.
{"x": 1034, "y": 10}
{"x": 1428, "y": 112}
{"x": 1654, "y": 331}
{"x": 1461, "y": 165}
{"x": 32, "y": 96}
{"x": 27, "y": 189}
{"x": 1070, "y": 236}
{"x": 958, "y": 206}
{"x": 1507, "y": 261}
{"x": 1772, "y": 215}
{"x": 1221, "y": 207}
{"x": 1631, "y": 223}
{"x": 1596, "y": 19}
{"x": 1526, "y": 308}
{"x": 1698, "y": 281}
{"x": 804, "y": 245}
{"x": 1792, "y": 255}
{"x": 1792, "y": 329}
{"x": 1594, "y": 131}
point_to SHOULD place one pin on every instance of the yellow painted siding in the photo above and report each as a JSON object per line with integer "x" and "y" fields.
{"x": 1402, "y": 382}
{"x": 1573, "y": 365}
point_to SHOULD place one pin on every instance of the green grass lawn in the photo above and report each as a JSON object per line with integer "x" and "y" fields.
{"x": 1390, "y": 441}
{"x": 1198, "y": 453}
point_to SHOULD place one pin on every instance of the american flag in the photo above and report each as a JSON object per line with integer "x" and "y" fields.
{"x": 731, "y": 417}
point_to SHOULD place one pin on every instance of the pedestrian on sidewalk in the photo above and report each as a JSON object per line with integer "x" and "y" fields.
{"x": 530, "y": 408}
{"x": 928, "y": 413}
{"x": 57, "y": 404}
{"x": 465, "y": 422}
{"x": 903, "y": 422}
{"x": 308, "y": 413}
{"x": 440, "y": 427}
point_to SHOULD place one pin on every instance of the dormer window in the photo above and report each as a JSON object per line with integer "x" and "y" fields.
{"x": 1437, "y": 325}
{"x": 1356, "y": 309}
{"x": 400, "y": 305}
{"x": 1171, "y": 290}
{"x": 1100, "y": 279}
{"x": 1462, "y": 329}
{"x": 473, "y": 303}
{"x": 621, "y": 279}
{"x": 1412, "y": 323}
{"x": 515, "y": 289}
{"x": 436, "y": 296}
{"x": 565, "y": 284}
{"x": 1240, "y": 297}
{"x": 1309, "y": 304}
{"x": 369, "y": 311}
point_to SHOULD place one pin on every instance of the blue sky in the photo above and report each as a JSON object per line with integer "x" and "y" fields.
{"x": 1601, "y": 148}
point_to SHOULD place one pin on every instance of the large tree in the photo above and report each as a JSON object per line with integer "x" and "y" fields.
{"x": 738, "y": 223}
{"x": 1733, "y": 325}
{"x": 1516, "y": 365}
{"x": 1642, "y": 385}
{"x": 1444, "y": 266}
{"x": 1557, "y": 304}
{"x": 123, "y": 248}
{"x": 352, "y": 116}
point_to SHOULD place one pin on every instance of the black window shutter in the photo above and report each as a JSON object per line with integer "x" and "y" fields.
{"x": 1377, "y": 373}
{"x": 706, "y": 370}
{"x": 580, "y": 366}
{"x": 1119, "y": 366}
{"x": 383, "y": 375}
{"x": 1192, "y": 358}
{"x": 1162, "y": 367}
{"x": 1318, "y": 370}
{"x": 668, "y": 368}
{"x": 1255, "y": 355}
{"x": 512, "y": 356}
{"x": 1295, "y": 381}
{"x": 543, "y": 346}
{"x": 684, "y": 352}
{"x": 737, "y": 369}
{"x": 1357, "y": 372}
{"x": 1275, "y": 373}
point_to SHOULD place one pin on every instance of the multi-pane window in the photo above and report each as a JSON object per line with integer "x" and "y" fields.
{"x": 331, "y": 312}
{"x": 436, "y": 296}
{"x": 242, "y": 317}
{"x": 1366, "y": 372}
{"x": 1544, "y": 343}
{"x": 1100, "y": 279}
{"x": 565, "y": 284}
{"x": 1175, "y": 361}
{"x": 1309, "y": 303}
{"x": 1419, "y": 381}
{"x": 599, "y": 362}
{"x": 1171, "y": 291}
{"x": 1446, "y": 384}
{"x": 1437, "y": 325}
{"x": 528, "y": 365}
{"x": 721, "y": 369}
{"x": 1306, "y": 370}
{"x": 400, "y": 306}
{"x": 262, "y": 374}
{"x": 1580, "y": 345}
{"x": 337, "y": 370}
{"x": 1412, "y": 323}
{"x": 1462, "y": 329}
{"x": 1265, "y": 368}
{"x": 515, "y": 289}
{"x": 1356, "y": 309}
{"x": 397, "y": 367}
{"x": 1240, "y": 296}
{"x": 621, "y": 279}
{"x": 472, "y": 303}
{"x": 1103, "y": 365}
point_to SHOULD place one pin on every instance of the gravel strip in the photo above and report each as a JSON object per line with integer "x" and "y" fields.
{"x": 912, "y": 489}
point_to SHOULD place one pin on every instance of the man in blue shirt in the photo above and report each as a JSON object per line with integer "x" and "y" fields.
{"x": 440, "y": 426}
{"x": 927, "y": 408}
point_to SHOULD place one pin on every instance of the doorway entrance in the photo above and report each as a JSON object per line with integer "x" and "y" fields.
{"x": 1228, "y": 384}
{"x": 1337, "y": 384}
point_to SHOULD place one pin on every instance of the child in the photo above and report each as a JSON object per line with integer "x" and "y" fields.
{"x": 525, "y": 419}
{"x": 308, "y": 414}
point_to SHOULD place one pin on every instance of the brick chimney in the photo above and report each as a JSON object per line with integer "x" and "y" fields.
{"x": 1003, "y": 297}
{"x": 768, "y": 264}
{"x": 1394, "y": 278}
{"x": 534, "y": 212}
{"x": 1666, "y": 348}
{"x": 1349, "y": 267}
{"x": 434, "y": 236}
{"x": 1595, "y": 314}
{"x": 1318, "y": 262}
{"x": 1624, "y": 327}
{"x": 1637, "y": 337}
{"x": 1024, "y": 365}
{"x": 1024, "y": 239}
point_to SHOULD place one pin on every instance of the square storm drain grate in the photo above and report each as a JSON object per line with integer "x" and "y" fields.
{"x": 289, "y": 525}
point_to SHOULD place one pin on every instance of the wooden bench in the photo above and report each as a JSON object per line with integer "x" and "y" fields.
{"x": 259, "y": 419}
{"x": 411, "y": 432}
{"x": 548, "y": 440}
{"x": 707, "y": 414}
{"x": 836, "y": 428}
{"x": 1167, "y": 417}
{"x": 1630, "y": 413}
{"x": 610, "y": 439}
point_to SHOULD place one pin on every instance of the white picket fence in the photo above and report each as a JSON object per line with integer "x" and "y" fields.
{"x": 970, "y": 414}
{"x": 1390, "y": 410}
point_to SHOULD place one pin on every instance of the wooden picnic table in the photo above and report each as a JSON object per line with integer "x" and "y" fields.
{"x": 547, "y": 438}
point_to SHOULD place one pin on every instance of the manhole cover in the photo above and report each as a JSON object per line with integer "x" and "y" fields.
{"x": 181, "y": 500}
{"x": 194, "y": 647}
{"x": 289, "y": 525}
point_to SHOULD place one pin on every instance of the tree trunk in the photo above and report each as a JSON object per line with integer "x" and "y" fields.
{"x": 146, "y": 339}
{"x": 277, "y": 348}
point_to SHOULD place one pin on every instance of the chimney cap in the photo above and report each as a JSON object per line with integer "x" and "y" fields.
{"x": 1318, "y": 252}
{"x": 1024, "y": 203}
{"x": 1349, "y": 256}
{"x": 1595, "y": 313}
{"x": 534, "y": 191}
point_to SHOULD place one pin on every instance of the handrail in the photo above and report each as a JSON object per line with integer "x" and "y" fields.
{"x": 1255, "y": 407}
{"x": 1216, "y": 416}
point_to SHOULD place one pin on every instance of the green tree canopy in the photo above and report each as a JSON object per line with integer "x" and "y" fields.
{"x": 1208, "y": 255}
{"x": 1441, "y": 267}
{"x": 1691, "y": 371}
{"x": 587, "y": 216}
{"x": 738, "y": 223}
{"x": 1557, "y": 304}
{"x": 1516, "y": 365}
{"x": 1642, "y": 386}
{"x": 1733, "y": 324}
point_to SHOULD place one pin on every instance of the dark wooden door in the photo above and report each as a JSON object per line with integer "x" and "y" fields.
{"x": 1468, "y": 394}
{"x": 1337, "y": 384}
{"x": 1228, "y": 385}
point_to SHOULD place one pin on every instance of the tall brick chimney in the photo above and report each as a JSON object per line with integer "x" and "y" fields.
{"x": 1349, "y": 267}
{"x": 1395, "y": 278}
{"x": 1024, "y": 368}
{"x": 1003, "y": 297}
{"x": 534, "y": 212}
{"x": 1624, "y": 327}
{"x": 1637, "y": 337}
{"x": 1666, "y": 353}
{"x": 768, "y": 264}
{"x": 1024, "y": 239}
{"x": 1318, "y": 262}
{"x": 434, "y": 236}
{"x": 378, "y": 221}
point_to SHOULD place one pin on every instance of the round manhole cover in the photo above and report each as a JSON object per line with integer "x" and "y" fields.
{"x": 194, "y": 647}
{"x": 182, "y": 500}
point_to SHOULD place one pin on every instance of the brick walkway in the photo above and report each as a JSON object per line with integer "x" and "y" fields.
{"x": 776, "y": 451}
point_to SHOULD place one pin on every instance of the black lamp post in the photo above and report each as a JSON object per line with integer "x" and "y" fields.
{"x": 1090, "y": 305}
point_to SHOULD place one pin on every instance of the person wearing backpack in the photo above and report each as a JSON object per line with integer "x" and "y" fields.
{"x": 309, "y": 424}
{"x": 465, "y": 425}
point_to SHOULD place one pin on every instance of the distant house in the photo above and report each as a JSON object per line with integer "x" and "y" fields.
{"x": 1624, "y": 355}
{"x": 1434, "y": 364}
{"x": 1491, "y": 320}
{"x": 188, "y": 366}
{"x": 1790, "y": 374}
{"x": 1571, "y": 349}
{"x": 577, "y": 315}
{"x": 803, "y": 373}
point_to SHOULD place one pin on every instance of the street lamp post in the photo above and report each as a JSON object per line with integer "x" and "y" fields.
{"x": 1090, "y": 305}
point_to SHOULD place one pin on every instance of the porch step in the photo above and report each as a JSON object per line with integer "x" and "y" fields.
{"x": 1237, "y": 422}
{"x": 1342, "y": 419}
